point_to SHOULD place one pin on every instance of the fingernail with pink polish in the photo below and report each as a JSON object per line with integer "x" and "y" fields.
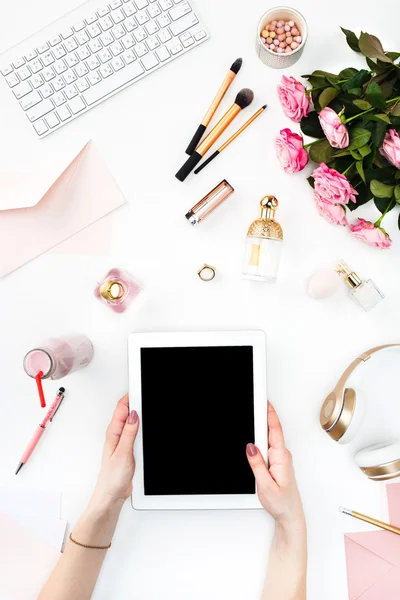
{"x": 133, "y": 417}
{"x": 251, "y": 449}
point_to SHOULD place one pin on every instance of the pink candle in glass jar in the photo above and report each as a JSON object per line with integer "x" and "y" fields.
{"x": 57, "y": 357}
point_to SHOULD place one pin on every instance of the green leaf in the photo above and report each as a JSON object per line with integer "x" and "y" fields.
{"x": 395, "y": 110}
{"x": 321, "y": 151}
{"x": 393, "y": 55}
{"x": 355, "y": 154}
{"x": 362, "y": 104}
{"x": 381, "y": 117}
{"x": 311, "y": 181}
{"x": 311, "y": 126}
{"x": 357, "y": 80}
{"x": 397, "y": 175}
{"x": 342, "y": 153}
{"x": 371, "y": 63}
{"x": 378, "y": 133}
{"x": 352, "y": 39}
{"x": 327, "y": 96}
{"x": 318, "y": 82}
{"x": 347, "y": 73}
{"x": 355, "y": 92}
{"x": 370, "y": 46}
{"x": 383, "y": 204}
{"x": 381, "y": 190}
{"x": 359, "y": 137}
{"x": 365, "y": 150}
{"x": 375, "y": 96}
{"x": 360, "y": 170}
{"x": 397, "y": 193}
{"x": 364, "y": 196}
{"x": 387, "y": 89}
{"x": 325, "y": 74}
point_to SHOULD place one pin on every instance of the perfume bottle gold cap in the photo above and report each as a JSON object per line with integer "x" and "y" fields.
{"x": 266, "y": 226}
{"x": 350, "y": 277}
{"x": 112, "y": 290}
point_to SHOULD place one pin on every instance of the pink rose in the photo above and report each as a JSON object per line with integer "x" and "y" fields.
{"x": 390, "y": 148}
{"x": 367, "y": 232}
{"x": 290, "y": 151}
{"x": 293, "y": 97}
{"x": 333, "y": 213}
{"x": 336, "y": 133}
{"x": 332, "y": 187}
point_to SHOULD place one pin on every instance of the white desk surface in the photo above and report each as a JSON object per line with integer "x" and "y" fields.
{"x": 142, "y": 133}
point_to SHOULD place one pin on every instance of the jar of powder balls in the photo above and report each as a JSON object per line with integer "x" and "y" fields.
{"x": 281, "y": 36}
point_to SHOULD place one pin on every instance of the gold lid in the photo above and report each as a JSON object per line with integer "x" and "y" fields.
{"x": 266, "y": 226}
{"x": 112, "y": 290}
{"x": 351, "y": 278}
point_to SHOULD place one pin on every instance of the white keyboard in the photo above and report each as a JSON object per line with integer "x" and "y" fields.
{"x": 97, "y": 55}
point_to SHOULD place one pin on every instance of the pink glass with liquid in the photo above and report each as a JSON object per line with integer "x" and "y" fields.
{"x": 57, "y": 357}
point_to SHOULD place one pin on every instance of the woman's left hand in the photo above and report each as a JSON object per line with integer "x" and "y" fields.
{"x": 114, "y": 484}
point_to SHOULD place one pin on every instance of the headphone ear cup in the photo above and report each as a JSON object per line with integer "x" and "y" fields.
{"x": 353, "y": 414}
{"x": 380, "y": 461}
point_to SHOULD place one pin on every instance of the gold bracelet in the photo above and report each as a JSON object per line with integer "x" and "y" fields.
{"x": 90, "y": 547}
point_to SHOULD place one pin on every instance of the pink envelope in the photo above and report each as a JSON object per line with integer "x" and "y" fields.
{"x": 84, "y": 193}
{"x": 373, "y": 558}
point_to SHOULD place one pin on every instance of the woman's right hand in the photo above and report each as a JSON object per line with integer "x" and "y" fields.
{"x": 276, "y": 486}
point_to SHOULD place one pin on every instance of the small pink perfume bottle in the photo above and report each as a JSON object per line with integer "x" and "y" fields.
{"x": 57, "y": 357}
{"x": 118, "y": 290}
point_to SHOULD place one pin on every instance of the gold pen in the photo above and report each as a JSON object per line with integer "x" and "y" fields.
{"x": 361, "y": 517}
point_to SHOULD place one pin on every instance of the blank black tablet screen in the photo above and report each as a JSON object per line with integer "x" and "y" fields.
{"x": 197, "y": 417}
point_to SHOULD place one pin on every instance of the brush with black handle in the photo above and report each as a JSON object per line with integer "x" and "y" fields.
{"x": 230, "y": 76}
{"x": 242, "y": 100}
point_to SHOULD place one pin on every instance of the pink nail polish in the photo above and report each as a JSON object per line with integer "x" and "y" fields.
{"x": 251, "y": 449}
{"x": 133, "y": 417}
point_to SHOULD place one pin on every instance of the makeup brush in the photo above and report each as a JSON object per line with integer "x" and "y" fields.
{"x": 243, "y": 99}
{"x": 230, "y": 76}
{"x": 233, "y": 137}
{"x": 361, "y": 517}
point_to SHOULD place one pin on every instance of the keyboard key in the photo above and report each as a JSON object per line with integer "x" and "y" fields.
{"x": 67, "y": 33}
{"x": 162, "y": 53}
{"x": 164, "y": 36}
{"x": 82, "y": 84}
{"x": 82, "y": 38}
{"x": 150, "y": 61}
{"x": 140, "y": 34}
{"x": 36, "y": 65}
{"x": 12, "y": 80}
{"x": 94, "y": 77}
{"x": 76, "y": 105}
{"x": 83, "y": 52}
{"x": 105, "y": 55}
{"x": 108, "y": 86}
{"x": 141, "y": 50}
{"x": 176, "y": 49}
{"x": 117, "y": 16}
{"x": 71, "y": 91}
{"x": 52, "y": 120}
{"x": 116, "y": 48}
{"x": 185, "y": 36}
{"x": 106, "y": 70}
{"x": 59, "y": 98}
{"x": 59, "y": 51}
{"x": 151, "y": 27}
{"x": 180, "y": 11}
{"x": 63, "y": 113}
{"x": 43, "y": 47}
{"x": 165, "y": 4}
{"x": 60, "y": 66}
{"x": 106, "y": 23}
{"x": 22, "y": 89}
{"x": 55, "y": 40}
{"x": 79, "y": 26}
{"x": 153, "y": 43}
{"x": 6, "y": 70}
{"x": 128, "y": 41}
{"x": 36, "y": 80}
{"x": 142, "y": 17}
{"x": 71, "y": 59}
{"x": 103, "y": 11}
{"x": 46, "y": 90}
{"x": 93, "y": 62}
{"x": 91, "y": 19}
{"x": 188, "y": 42}
{"x": 163, "y": 21}
{"x": 129, "y": 56}
{"x": 107, "y": 38}
{"x": 94, "y": 30}
{"x": 58, "y": 83}
{"x": 154, "y": 10}
{"x": 69, "y": 77}
{"x": 115, "y": 4}
{"x": 70, "y": 44}
{"x": 47, "y": 58}
{"x": 95, "y": 45}
{"x": 18, "y": 63}
{"x": 81, "y": 70}
{"x": 200, "y": 35}
{"x": 130, "y": 24}
{"x": 24, "y": 73}
{"x": 180, "y": 26}
{"x": 30, "y": 55}
{"x": 30, "y": 100}
{"x": 117, "y": 63}
{"x": 39, "y": 110}
{"x": 141, "y": 4}
{"x": 40, "y": 127}
{"x": 49, "y": 73}
{"x": 118, "y": 32}
{"x": 129, "y": 9}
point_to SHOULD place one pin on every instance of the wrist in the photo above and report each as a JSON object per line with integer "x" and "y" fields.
{"x": 291, "y": 524}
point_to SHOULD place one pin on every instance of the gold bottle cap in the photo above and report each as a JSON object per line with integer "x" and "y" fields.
{"x": 350, "y": 277}
{"x": 112, "y": 290}
{"x": 266, "y": 226}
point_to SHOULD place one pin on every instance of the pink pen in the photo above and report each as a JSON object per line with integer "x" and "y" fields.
{"x": 40, "y": 429}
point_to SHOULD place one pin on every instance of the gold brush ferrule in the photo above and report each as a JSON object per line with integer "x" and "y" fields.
{"x": 230, "y": 76}
{"x": 350, "y": 277}
{"x": 218, "y": 130}
{"x": 240, "y": 130}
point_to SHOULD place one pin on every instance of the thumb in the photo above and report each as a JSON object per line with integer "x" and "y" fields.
{"x": 259, "y": 467}
{"x": 128, "y": 435}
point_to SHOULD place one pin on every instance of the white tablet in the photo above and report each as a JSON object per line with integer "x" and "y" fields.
{"x": 201, "y": 398}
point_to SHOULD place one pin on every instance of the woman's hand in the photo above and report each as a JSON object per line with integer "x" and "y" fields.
{"x": 276, "y": 486}
{"x": 114, "y": 484}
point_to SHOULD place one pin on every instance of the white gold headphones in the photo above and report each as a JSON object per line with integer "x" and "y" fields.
{"x": 341, "y": 416}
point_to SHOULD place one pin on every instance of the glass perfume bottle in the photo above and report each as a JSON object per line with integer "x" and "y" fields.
{"x": 264, "y": 244}
{"x": 118, "y": 290}
{"x": 57, "y": 357}
{"x": 365, "y": 293}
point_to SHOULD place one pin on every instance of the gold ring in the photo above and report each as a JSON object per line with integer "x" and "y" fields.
{"x": 207, "y": 272}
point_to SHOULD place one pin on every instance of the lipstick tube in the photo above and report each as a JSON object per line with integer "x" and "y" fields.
{"x": 209, "y": 203}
